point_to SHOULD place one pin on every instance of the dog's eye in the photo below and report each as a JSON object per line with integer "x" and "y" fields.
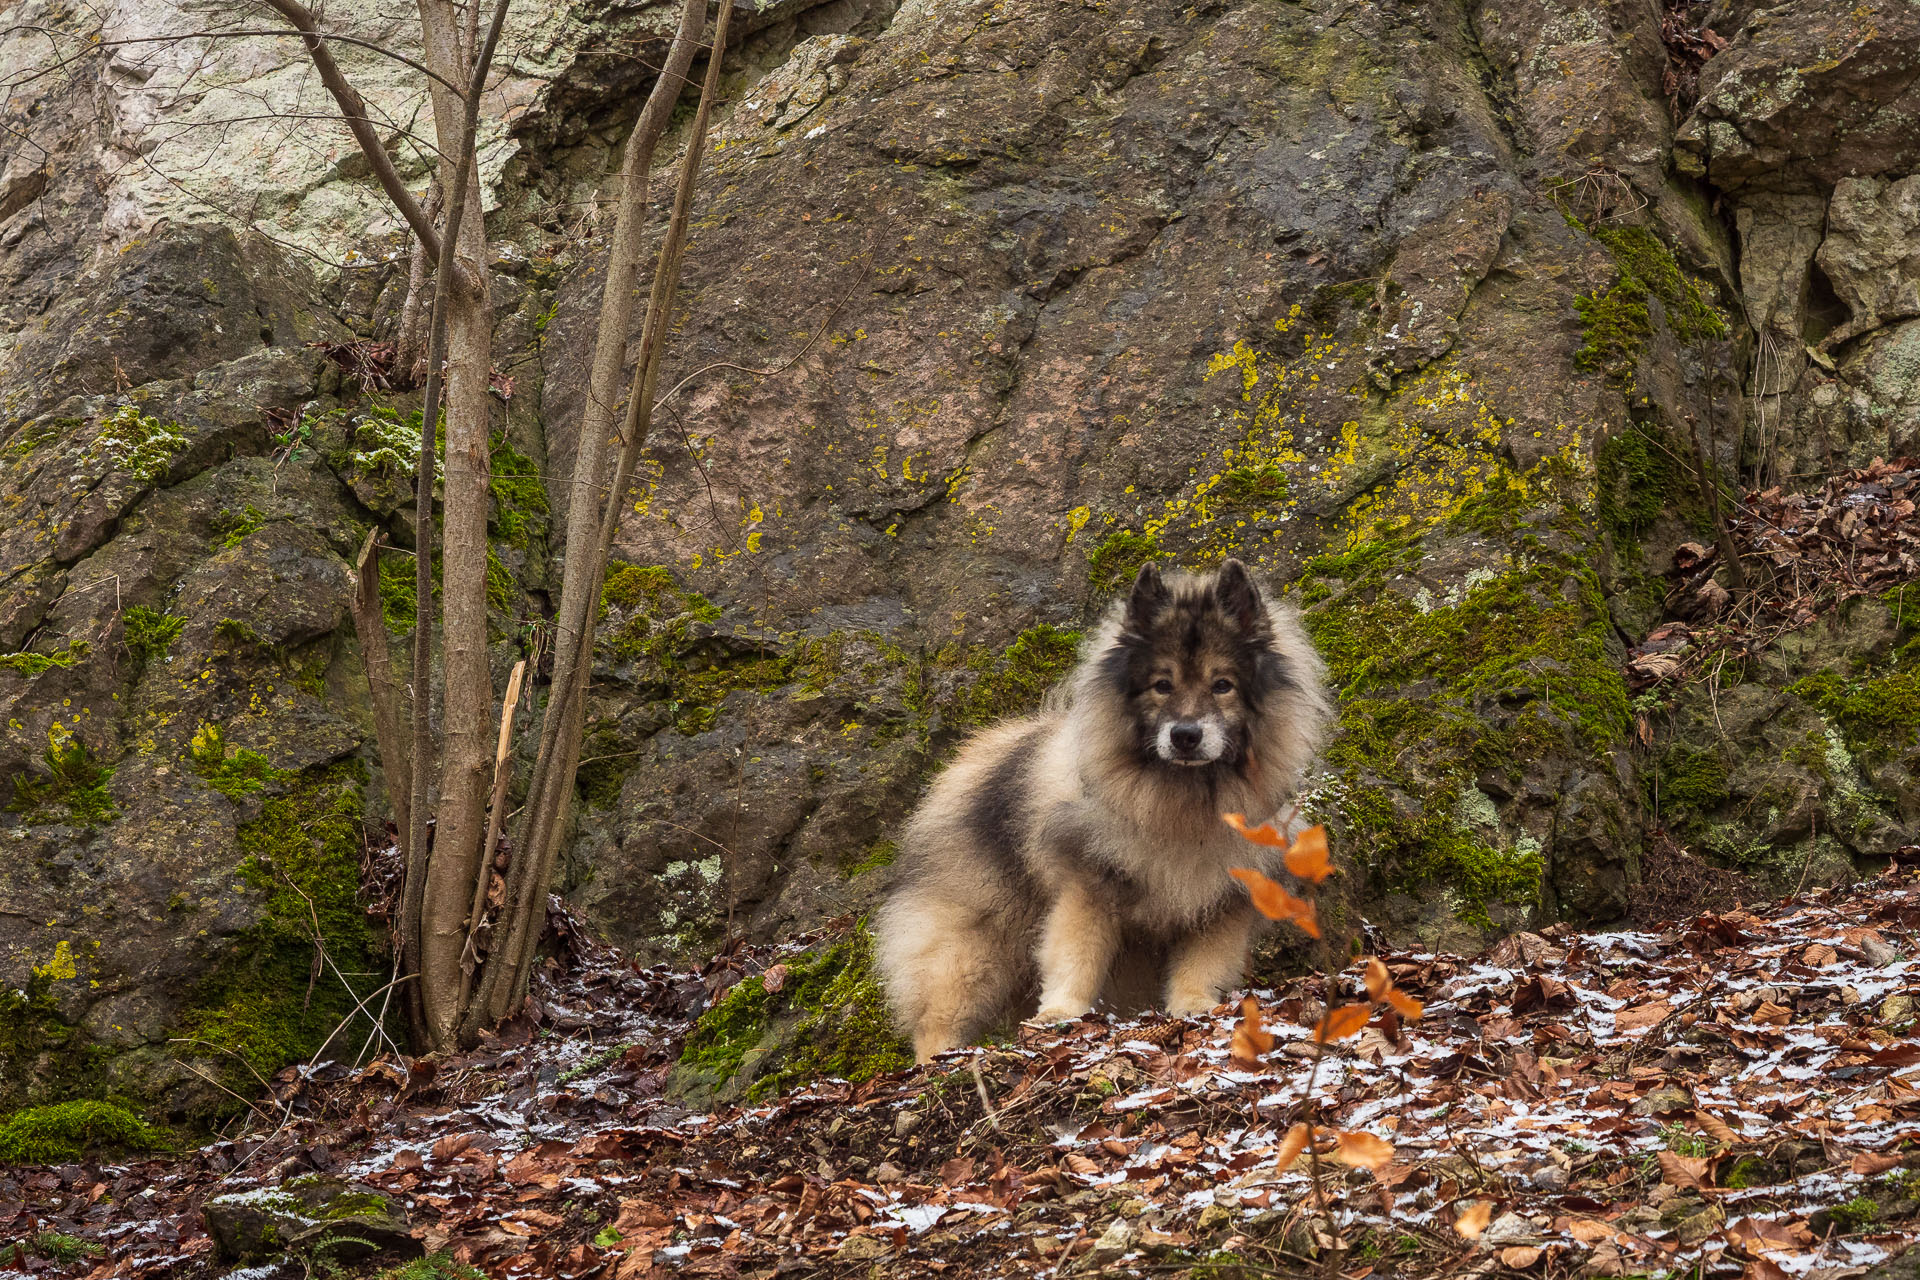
{"x": 1223, "y": 686}
{"x": 1163, "y": 686}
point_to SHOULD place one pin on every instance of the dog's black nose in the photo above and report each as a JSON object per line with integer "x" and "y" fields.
{"x": 1185, "y": 737}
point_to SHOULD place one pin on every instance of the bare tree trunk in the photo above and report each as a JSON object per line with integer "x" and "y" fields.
{"x": 410, "y": 341}
{"x": 590, "y": 530}
{"x": 371, "y": 628}
{"x": 460, "y": 818}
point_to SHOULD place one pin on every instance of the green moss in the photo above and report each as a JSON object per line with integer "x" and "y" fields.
{"x": 1419, "y": 683}
{"x": 32, "y": 664}
{"x": 1428, "y": 850}
{"x": 880, "y": 853}
{"x": 1878, "y": 714}
{"x": 66, "y": 1131}
{"x": 384, "y": 442}
{"x": 1856, "y": 1215}
{"x": 43, "y": 1057}
{"x": 1252, "y": 488}
{"x": 652, "y": 624}
{"x": 263, "y": 1006}
{"x": 397, "y": 600}
{"x": 1614, "y": 325}
{"x": 1112, "y": 564}
{"x": 1691, "y": 782}
{"x": 520, "y": 515}
{"x": 1617, "y": 323}
{"x": 1640, "y": 254}
{"x": 234, "y": 526}
{"x": 435, "y": 1266}
{"x": 73, "y": 789}
{"x": 232, "y": 771}
{"x": 840, "y": 1026}
{"x": 149, "y": 633}
{"x": 605, "y": 761}
{"x": 1014, "y": 682}
{"x": 234, "y": 632}
{"x": 139, "y": 445}
{"x": 1748, "y": 1171}
{"x": 57, "y": 1246}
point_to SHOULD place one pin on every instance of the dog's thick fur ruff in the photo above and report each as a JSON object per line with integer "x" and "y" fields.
{"x": 1079, "y": 854}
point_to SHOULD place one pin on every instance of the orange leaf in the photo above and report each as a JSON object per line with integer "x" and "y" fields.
{"x": 1293, "y": 1144}
{"x": 1340, "y": 1023}
{"x": 1379, "y": 981}
{"x": 1264, "y": 834}
{"x": 1361, "y": 1150}
{"x": 1520, "y": 1256}
{"x": 1249, "y": 1041}
{"x": 1409, "y": 1008}
{"x": 1472, "y": 1220}
{"x": 1308, "y": 856}
{"x": 1276, "y": 903}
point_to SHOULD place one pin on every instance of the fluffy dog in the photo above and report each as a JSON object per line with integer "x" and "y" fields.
{"x": 1079, "y": 854}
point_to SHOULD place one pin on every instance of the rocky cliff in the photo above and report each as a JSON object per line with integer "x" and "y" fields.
{"x": 1455, "y": 320}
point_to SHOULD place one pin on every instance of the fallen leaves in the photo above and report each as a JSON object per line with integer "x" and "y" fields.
{"x": 1250, "y": 1042}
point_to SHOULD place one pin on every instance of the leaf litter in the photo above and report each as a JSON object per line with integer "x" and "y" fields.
{"x": 1736, "y": 1094}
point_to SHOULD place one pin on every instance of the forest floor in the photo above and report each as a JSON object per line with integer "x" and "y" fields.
{"x": 1728, "y": 1095}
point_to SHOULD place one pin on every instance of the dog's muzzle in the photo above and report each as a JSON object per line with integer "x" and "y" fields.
{"x": 1191, "y": 742}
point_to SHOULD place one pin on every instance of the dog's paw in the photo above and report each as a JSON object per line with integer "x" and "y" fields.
{"x": 1059, "y": 1013}
{"x": 1190, "y": 1004}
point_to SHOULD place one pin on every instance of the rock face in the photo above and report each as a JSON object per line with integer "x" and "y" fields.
{"x": 1450, "y": 318}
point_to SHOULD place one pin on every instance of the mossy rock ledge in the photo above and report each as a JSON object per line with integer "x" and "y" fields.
{"x": 308, "y": 1215}
{"x": 826, "y": 1019}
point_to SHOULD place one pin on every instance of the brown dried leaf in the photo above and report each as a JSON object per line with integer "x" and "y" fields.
{"x": 1869, "y": 1163}
{"x": 1685, "y": 1171}
{"x": 1379, "y": 981}
{"x": 1250, "y": 1042}
{"x": 1407, "y": 1006}
{"x": 1715, "y": 1127}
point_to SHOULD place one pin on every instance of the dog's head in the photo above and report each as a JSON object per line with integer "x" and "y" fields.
{"x": 1196, "y": 663}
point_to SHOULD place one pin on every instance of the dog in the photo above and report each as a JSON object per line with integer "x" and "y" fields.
{"x": 1079, "y": 854}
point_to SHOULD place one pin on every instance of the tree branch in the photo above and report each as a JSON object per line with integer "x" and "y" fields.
{"x": 353, "y": 109}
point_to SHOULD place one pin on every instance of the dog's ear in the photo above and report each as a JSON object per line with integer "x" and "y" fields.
{"x": 1150, "y": 595}
{"x": 1238, "y": 595}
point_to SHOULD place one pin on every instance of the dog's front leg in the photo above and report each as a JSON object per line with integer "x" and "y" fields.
{"x": 1208, "y": 962}
{"x": 1077, "y": 943}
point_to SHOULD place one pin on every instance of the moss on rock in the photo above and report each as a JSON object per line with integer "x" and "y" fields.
{"x": 1015, "y": 681}
{"x": 1112, "y": 564}
{"x": 1420, "y": 680}
{"x": 829, "y": 1019}
{"x": 66, "y": 1131}
{"x": 73, "y": 789}
{"x": 262, "y": 1007}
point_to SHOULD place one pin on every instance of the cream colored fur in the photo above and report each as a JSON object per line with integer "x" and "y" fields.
{"x": 1125, "y": 864}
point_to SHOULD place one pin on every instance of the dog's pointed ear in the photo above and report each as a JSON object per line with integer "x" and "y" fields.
{"x": 1149, "y": 596}
{"x": 1238, "y": 595}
